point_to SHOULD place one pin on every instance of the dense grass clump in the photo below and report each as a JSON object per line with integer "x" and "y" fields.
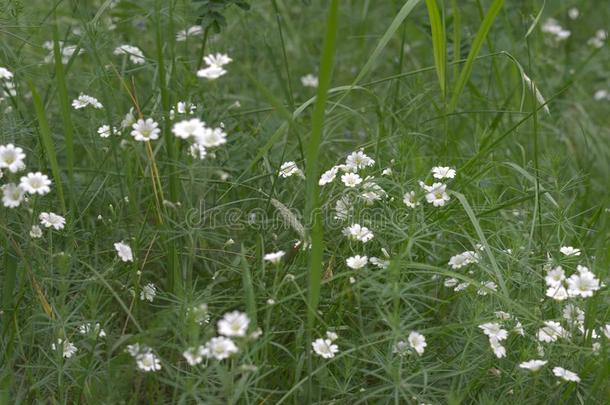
{"x": 289, "y": 202}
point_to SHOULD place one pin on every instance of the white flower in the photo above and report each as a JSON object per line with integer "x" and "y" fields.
{"x": 551, "y": 332}
{"x": 189, "y": 128}
{"x": 381, "y": 263}
{"x": 599, "y": 39}
{"x": 463, "y": 259}
{"x": 328, "y": 176}
{"x": 573, "y": 314}
{"x": 135, "y": 349}
{"x": 309, "y": 80}
{"x": 35, "y": 232}
{"x": 5, "y": 74}
{"x": 351, "y": 179}
{"x": 555, "y": 277}
{"x": 401, "y": 348}
{"x": 124, "y": 251}
{"x": 332, "y": 336}
{"x": 498, "y": 349}
{"x": 67, "y": 348}
{"x": 84, "y": 100}
{"x": 450, "y": 282}
{"x": 50, "y": 219}
{"x": 211, "y": 137}
{"x": 325, "y": 348}
{"x": 573, "y": 13}
{"x": 583, "y": 283}
{"x": 551, "y": 26}
{"x": 288, "y": 169}
{"x": 215, "y": 69}
{"x": 148, "y": 292}
{"x": 440, "y": 172}
{"x": 343, "y": 208}
{"x": 533, "y": 365}
{"x": 36, "y": 183}
{"x": 189, "y": 32}
{"x": 494, "y": 331}
{"x": 566, "y": 374}
{"x": 129, "y": 119}
{"x": 145, "y": 130}
{"x": 148, "y": 361}
{"x": 219, "y": 348}
{"x": 274, "y": 257}
{"x": 233, "y": 324}
{"x": 198, "y": 151}
{"x": 461, "y": 286}
{"x": 410, "y": 200}
{"x": 193, "y": 355}
{"x": 606, "y": 330}
{"x": 372, "y": 191}
{"x": 12, "y": 195}
{"x": 104, "y": 131}
{"x": 558, "y": 293}
{"x": 218, "y": 59}
{"x": 358, "y": 160}
{"x": 569, "y": 251}
{"x": 357, "y": 232}
{"x": 417, "y": 341}
{"x": 11, "y": 158}
{"x": 487, "y": 286}
{"x": 86, "y": 328}
{"x": 436, "y": 194}
{"x": 357, "y": 262}
{"x": 135, "y": 54}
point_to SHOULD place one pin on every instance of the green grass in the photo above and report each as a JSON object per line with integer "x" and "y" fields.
{"x": 477, "y": 86}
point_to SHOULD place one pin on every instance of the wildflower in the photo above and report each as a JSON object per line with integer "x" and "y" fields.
{"x": 487, "y": 286}
{"x": 599, "y": 39}
{"x": 5, "y": 74}
{"x": 569, "y": 251}
{"x": 410, "y": 200}
{"x": 463, "y": 259}
{"x": 381, "y": 263}
{"x": 211, "y": 137}
{"x": 417, "y": 341}
{"x": 233, "y": 324}
{"x": 36, "y": 183}
{"x": 357, "y": 262}
{"x": 50, "y": 219}
{"x": 214, "y": 68}
{"x": 343, "y": 208}
{"x": 219, "y": 348}
{"x": 436, "y": 194}
{"x": 450, "y": 282}
{"x": 558, "y": 292}
{"x": 551, "y": 26}
{"x": 189, "y": 128}
{"x": 193, "y": 355}
{"x": 440, "y": 172}
{"x": 386, "y": 172}
{"x": 288, "y": 169}
{"x": 606, "y": 330}
{"x": 533, "y": 365}
{"x": 35, "y": 232}
{"x": 104, "y": 131}
{"x": 135, "y": 349}
{"x": 498, "y": 349}
{"x": 351, "y": 179}
{"x": 84, "y": 100}
{"x": 566, "y": 374}
{"x": 11, "y": 158}
{"x": 583, "y": 283}
{"x": 124, "y": 251}
{"x": 328, "y": 176}
{"x": 274, "y": 257}
{"x": 309, "y": 80}
{"x": 358, "y": 160}
{"x": 325, "y": 348}
{"x": 372, "y": 191}
{"x": 129, "y": 119}
{"x": 195, "y": 30}
{"x": 573, "y": 314}
{"x": 12, "y": 195}
{"x": 148, "y": 361}
{"x": 573, "y": 13}
{"x": 86, "y": 328}
{"x": 198, "y": 151}
{"x": 494, "y": 331}
{"x": 555, "y": 277}
{"x": 358, "y": 232}
{"x": 135, "y": 54}
{"x": 148, "y": 292}
{"x": 145, "y": 130}
{"x": 332, "y": 336}
{"x": 66, "y": 347}
{"x": 551, "y": 332}
{"x": 401, "y": 348}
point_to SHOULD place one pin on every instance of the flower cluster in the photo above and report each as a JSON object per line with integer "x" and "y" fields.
{"x": 415, "y": 342}
{"x": 325, "y": 347}
{"x": 215, "y": 66}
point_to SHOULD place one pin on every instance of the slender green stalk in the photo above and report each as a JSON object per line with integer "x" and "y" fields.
{"x": 439, "y": 42}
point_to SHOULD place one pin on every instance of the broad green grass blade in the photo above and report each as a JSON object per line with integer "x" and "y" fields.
{"x": 495, "y": 8}
{"x": 439, "y": 43}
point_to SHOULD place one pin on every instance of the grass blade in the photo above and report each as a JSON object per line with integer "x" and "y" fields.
{"x": 439, "y": 44}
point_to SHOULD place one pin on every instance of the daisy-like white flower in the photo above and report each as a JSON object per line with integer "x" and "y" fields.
{"x": 195, "y": 30}
{"x": 124, "y": 251}
{"x": 569, "y": 251}
{"x": 12, "y": 158}
{"x": 84, "y": 100}
{"x": 498, "y": 349}
{"x": 358, "y": 160}
{"x": 148, "y": 292}
{"x": 565, "y": 374}
{"x": 218, "y": 59}
{"x": 494, "y": 331}
{"x": 555, "y": 277}
{"x": 35, "y": 183}
{"x": 533, "y": 365}
{"x": 551, "y": 332}
{"x": 12, "y": 195}
{"x": 558, "y": 293}
{"x": 573, "y": 13}
{"x": 381, "y": 263}
{"x": 5, "y": 74}
{"x": 551, "y": 26}
{"x": 145, "y": 130}
{"x": 325, "y": 348}
{"x": 35, "y": 232}
{"x": 66, "y": 347}
{"x": 274, "y": 257}
{"x": 573, "y": 314}
{"x": 214, "y": 68}
{"x": 440, "y": 172}
{"x": 219, "y": 348}
{"x": 309, "y": 80}
{"x": 135, "y": 54}
{"x": 436, "y": 194}
{"x": 357, "y": 262}
{"x": 328, "y": 176}
{"x": 104, "y": 131}
{"x": 193, "y": 355}
{"x": 410, "y": 199}
{"x": 288, "y": 169}
{"x": 332, "y": 336}
{"x": 343, "y": 208}
{"x": 211, "y": 137}
{"x": 351, "y": 179}
{"x": 358, "y": 232}
{"x": 198, "y": 151}
{"x": 487, "y": 287}
{"x": 463, "y": 259}
{"x": 52, "y": 220}
{"x": 148, "y": 361}
{"x": 583, "y": 283}
{"x": 234, "y": 324}
{"x": 417, "y": 341}
{"x": 129, "y": 119}
{"x": 189, "y": 128}
{"x": 372, "y": 191}
{"x": 87, "y": 328}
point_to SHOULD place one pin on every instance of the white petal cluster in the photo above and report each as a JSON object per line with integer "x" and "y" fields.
{"x": 214, "y": 68}
{"x": 325, "y": 348}
{"x": 84, "y": 100}
{"x": 358, "y": 232}
{"x": 135, "y": 54}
